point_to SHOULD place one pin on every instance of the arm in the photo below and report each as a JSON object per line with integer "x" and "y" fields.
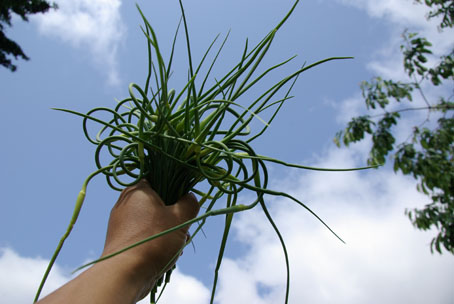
{"x": 129, "y": 276}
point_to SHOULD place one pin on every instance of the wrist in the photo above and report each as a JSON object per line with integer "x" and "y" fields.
{"x": 130, "y": 269}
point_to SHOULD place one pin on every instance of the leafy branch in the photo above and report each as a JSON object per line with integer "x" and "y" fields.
{"x": 428, "y": 154}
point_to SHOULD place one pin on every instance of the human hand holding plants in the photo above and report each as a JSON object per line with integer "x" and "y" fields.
{"x": 129, "y": 276}
{"x": 141, "y": 213}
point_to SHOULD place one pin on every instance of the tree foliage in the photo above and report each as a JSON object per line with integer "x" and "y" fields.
{"x": 428, "y": 154}
{"x": 23, "y": 8}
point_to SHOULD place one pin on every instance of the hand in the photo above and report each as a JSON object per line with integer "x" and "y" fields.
{"x": 140, "y": 213}
{"x": 127, "y": 277}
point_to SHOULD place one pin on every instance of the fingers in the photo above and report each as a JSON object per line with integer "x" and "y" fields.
{"x": 185, "y": 209}
{"x": 144, "y": 187}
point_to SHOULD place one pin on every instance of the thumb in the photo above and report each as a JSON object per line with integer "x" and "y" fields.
{"x": 186, "y": 208}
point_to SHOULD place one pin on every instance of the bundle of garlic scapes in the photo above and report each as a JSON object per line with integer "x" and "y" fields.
{"x": 177, "y": 140}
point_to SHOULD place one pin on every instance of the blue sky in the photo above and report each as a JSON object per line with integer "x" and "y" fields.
{"x": 85, "y": 54}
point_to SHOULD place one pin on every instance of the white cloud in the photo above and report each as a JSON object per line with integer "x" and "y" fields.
{"x": 92, "y": 24}
{"x": 20, "y": 277}
{"x": 385, "y": 259}
{"x": 349, "y": 108}
{"x": 403, "y": 12}
{"x": 183, "y": 289}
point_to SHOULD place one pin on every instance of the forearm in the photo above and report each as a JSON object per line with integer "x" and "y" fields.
{"x": 111, "y": 281}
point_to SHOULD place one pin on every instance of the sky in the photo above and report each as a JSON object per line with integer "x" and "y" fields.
{"x": 86, "y": 53}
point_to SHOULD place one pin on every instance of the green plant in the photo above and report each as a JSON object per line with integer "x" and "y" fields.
{"x": 427, "y": 153}
{"x": 201, "y": 134}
